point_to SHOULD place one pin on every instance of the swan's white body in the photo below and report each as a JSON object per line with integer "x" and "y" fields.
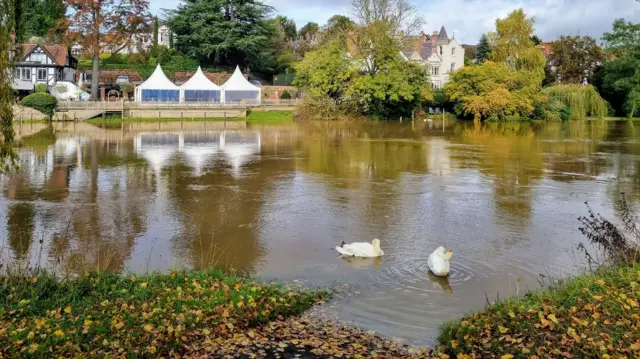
{"x": 361, "y": 249}
{"x": 439, "y": 261}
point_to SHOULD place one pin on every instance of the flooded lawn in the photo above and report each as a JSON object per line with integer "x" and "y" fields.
{"x": 275, "y": 200}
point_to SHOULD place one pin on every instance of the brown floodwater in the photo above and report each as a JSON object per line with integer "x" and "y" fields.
{"x": 275, "y": 199}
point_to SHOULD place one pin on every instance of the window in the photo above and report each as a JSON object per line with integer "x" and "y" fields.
{"x": 435, "y": 71}
{"x": 453, "y": 51}
{"x": 42, "y": 74}
{"x": 16, "y": 74}
{"x": 453, "y": 66}
{"x": 26, "y": 74}
{"x": 440, "y": 49}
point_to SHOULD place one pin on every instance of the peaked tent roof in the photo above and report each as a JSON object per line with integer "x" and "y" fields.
{"x": 237, "y": 82}
{"x": 158, "y": 81}
{"x": 442, "y": 35}
{"x": 199, "y": 82}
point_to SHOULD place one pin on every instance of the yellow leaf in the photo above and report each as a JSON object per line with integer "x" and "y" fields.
{"x": 512, "y": 314}
{"x": 502, "y": 329}
{"x": 33, "y": 347}
{"x": 67, "y": 310}
{"x": 119, "y": 325}
{"x": 148, "y": 327}
{"x": 553, "y": 318}
{"x": 599, "y": 282}
{"x": 206, "y": 331}
{"x": 58, "y": 333}
{"x": 506, "y": 356}
{"x": 143, "y": 285}
{"x": 454, "y": 344}
{"x": 597, "y": 297}
{"x": 31, "y": 335}
{"x": 251, "y": 334}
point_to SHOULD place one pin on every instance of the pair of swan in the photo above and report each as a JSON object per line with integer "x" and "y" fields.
{"x": 438, "y": 260}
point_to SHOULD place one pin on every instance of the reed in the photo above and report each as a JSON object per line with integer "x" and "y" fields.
{"x": 584, "y": 101}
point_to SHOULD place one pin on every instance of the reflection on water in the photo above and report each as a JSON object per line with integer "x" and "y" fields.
{"x": 275, "y": 200}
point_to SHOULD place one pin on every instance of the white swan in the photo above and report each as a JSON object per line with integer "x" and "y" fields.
{"x": 361, "y": 249}
{"x": 439, "y": 261}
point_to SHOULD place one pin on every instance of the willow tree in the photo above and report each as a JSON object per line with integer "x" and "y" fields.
{"x": 582, "y": 100}
{"x": 512, "y": 44}
{"x": 10, "y": 36}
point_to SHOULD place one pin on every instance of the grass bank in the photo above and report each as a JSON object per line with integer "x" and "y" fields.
{"x": 252, "y": 117}
{"x": 177, "y": 315}
{"x": 590, "y": 316}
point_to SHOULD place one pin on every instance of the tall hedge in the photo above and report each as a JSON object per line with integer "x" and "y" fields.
{"x": 42, "y": 102}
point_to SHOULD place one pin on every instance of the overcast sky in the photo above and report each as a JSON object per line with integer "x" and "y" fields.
{"x": 468, "y": 19}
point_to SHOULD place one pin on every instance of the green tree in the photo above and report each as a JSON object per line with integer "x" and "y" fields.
{"x": 512, "y": 45}
{"x": 44, "y": 18}
{"x": 621, "y": 75}
{"x": 371, "y": 80}
{"x": 10, "y": 24}
{"x": 288, "y": 27}
{"x": 483, "y": 50}
{"x": 536, "y": 40}
{"x": 575, "y": 58}
{"x": 156, "y": 27}
{"x": 309, "y": 31}
{"x": 224, "y": 32}
{"x": 491, "y": 92}
{"x": 338, "y": 26}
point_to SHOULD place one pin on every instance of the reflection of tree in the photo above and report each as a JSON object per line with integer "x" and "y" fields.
{"x": 623, "y": 144}
{"x": 347, "y": 151}
{"x": 513, "y": 158}
{"x": 99, "y": 231}
{"x": 20, "y": 228}
{"x": 569, "y": 147}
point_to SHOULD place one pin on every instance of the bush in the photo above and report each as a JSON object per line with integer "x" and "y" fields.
{"x": 126, "y": 87}
{"x": 40, "y": 88}
{"x": 286, "y": 95}
{"x": 42, "y": 102}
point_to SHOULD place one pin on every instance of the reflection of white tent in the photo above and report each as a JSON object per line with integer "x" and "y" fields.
{"x": 200, "y": 89}
{"x": 237, "y": 89}
{"x": 198, "y": 156}
{"x": 157, "y": 149}
{"x": 238, "y": 152}
{"x": 68, "y": 147}
{"x": 157, "y": 88}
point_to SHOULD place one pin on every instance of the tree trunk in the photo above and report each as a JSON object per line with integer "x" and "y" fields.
{"x": 95, "y": 68}
{"x": 95, "y": 75}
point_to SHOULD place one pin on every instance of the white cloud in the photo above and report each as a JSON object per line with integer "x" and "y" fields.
{"x": 468, "y": 19}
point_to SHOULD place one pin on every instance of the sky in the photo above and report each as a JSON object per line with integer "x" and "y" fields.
{"x": 468, "y": 19}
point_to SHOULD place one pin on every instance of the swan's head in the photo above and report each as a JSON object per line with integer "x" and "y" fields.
{"x": 376, "y": 243}
{"x": 448, "y": 254}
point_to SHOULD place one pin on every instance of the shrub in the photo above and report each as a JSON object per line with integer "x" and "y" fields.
{"x": 40, "y": 88}
{"x": 286, "y": 95}
{"x": 126, "y": 87}
{"x": 42, "y": 102}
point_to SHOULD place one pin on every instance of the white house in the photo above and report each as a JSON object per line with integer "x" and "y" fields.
{"x": 441, "y": 54}
{"x": 46, "y": 64}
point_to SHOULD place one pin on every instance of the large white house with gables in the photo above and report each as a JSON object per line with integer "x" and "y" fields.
{"x": 43, "y": 64}
{"x": 438, "y": 52}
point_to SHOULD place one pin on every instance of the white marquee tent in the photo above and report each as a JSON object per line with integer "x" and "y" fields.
{"x": 157, "y": 88}
{"x": 238, "y": 89}
{"x": 200, "y": 89}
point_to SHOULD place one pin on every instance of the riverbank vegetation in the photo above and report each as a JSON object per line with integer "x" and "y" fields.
{"x": 252, "y": 116}
{"x": 175, "y": 315}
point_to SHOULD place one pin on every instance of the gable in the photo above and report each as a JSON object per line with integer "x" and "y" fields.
{"x": 45, "y": 54}
{"x": 434, "y": 58}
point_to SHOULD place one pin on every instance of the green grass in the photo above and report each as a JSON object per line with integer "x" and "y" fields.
{"x": 252, "y": 117}
{"x": 595, "y": 315}
{"x": 110, "y": 315}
